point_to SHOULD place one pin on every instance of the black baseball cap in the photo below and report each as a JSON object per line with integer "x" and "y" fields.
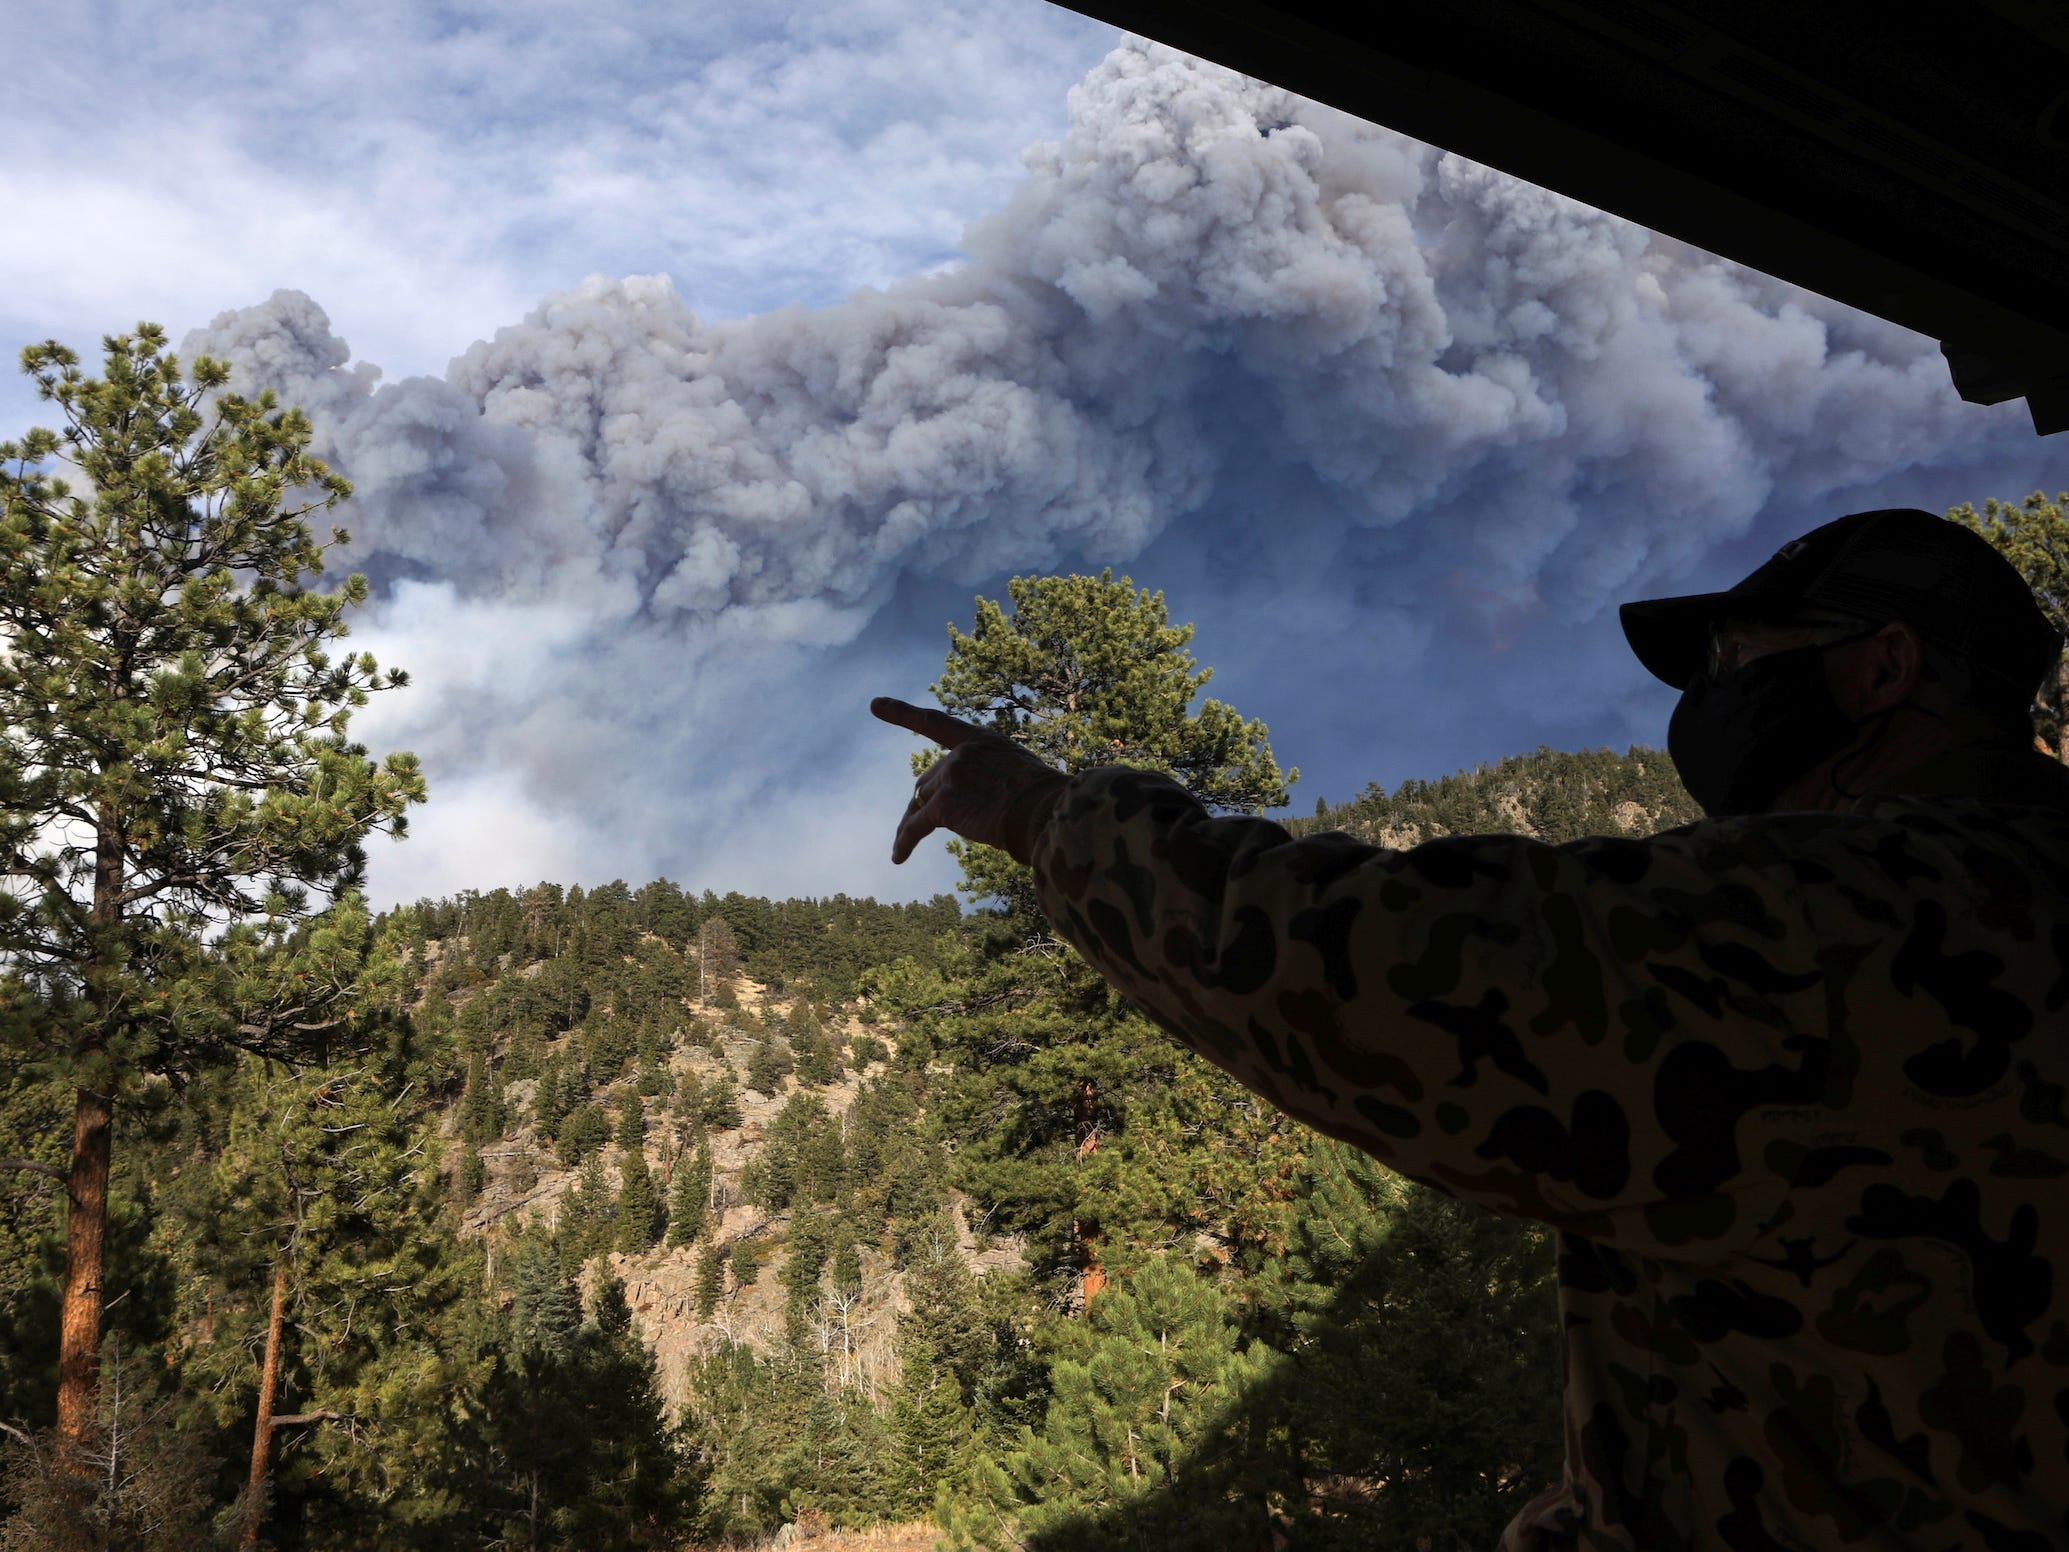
{"x": 1943, "y": 580}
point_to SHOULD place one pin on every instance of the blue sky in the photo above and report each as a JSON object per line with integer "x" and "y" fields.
{"x": 1394, "y": 431}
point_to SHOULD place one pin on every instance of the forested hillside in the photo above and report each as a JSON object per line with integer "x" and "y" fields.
{"x": 1550, "y": 794}
{"x": 643, "y": 1218}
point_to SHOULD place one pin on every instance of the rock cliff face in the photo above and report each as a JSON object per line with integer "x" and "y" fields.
{"x": 525, "y": 1182}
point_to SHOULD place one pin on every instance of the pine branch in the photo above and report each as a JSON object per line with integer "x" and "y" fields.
{"x": 37, "y": 1167}
{"x": 297, "y": 1419}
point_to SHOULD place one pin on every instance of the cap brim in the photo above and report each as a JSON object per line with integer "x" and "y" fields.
{"x": 1671, "y": 636}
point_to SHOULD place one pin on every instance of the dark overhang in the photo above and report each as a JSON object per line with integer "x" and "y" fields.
{"x": 1908, "y": 160}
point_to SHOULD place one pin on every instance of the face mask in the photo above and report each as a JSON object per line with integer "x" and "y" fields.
{"x": 1739, "y": 740}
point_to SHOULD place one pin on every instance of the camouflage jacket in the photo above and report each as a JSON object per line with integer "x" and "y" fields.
{"x": 1792, "y": 1088}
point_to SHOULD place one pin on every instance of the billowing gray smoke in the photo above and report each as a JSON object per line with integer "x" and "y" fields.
{"x": 1415, "y": 325}
{"x": 1203, "y": 263}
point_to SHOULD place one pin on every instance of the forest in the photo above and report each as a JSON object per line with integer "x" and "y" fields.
{"x": 637, "y": 1217}
{"x": 589, "y": 1216}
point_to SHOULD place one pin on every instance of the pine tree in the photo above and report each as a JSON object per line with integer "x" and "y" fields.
{"x": 148, "y": 1489}
{"x": 1087, "y": 671}
{"x": 710, "y": 1279}
{"x": 302, "y": 1244}
{"x": 550, "y": 1098}
{"x": 656, "y": 1078}
{"x": 1128, "y": 1449}
{"x": 806, "y": 1245}
{"x": 544, "y": 1311}
{"x": 686, "y": 1109}
{"x": 721, "y": 1103}
{"x": 947, "y": 1322}
{"x": 745, "y": 1265}
{"x": 639, "y": 1220}
{"x": 769, "y": 1066}
{"x": 847, "y": 1260}
{"x": 173, "y": 755}
{"x": 632, "y": 1122}
{"x": 581, "y": 1133}
{"x": 580, "y": 1457}
{"x": 935, "y": 1431}
{"x": 589, "y": 1224}
{"x": 816, "y": 1062}
{"x": 1425, "y": 1351}
{"x": 1051, "y": 1065}
{"x": 689, "y": 1198}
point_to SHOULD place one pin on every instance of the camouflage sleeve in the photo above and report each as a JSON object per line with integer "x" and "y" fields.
{"x": 1621, "y": 1037}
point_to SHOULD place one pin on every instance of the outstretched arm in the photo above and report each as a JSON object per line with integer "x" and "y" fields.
{"x": 1625, "y": 1038}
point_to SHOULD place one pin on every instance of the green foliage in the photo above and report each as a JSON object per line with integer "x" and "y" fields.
{"x": 589, "y": 1222}
{"x": 1425, "y": 1354}
{"x": 544, "y": 1310}
{"x": 640, "y": 1216}
{"x": 149, "y": 1486}
{"x": 1142, "y": 1392}
{"x": 581, "y": 1134}
{"x": 1052, "y": 1069}
{"x": 689, "y": 1198}
{"x": 631, "y": 1130}
{"x": 710, "y": 1279}
{"x": 817, "y": 1062}
{"x": 769, "y": 1066}
{"x": 2033, "y": 535}
{"x": 473, "y": 1172}
{"x": 745, "y": 1264}
{"x": 750, "y": 1415}
{"x": 1087, "y": 671}
{"x": 1551, "y": 795}
{"x": 182, "y": 815}
{"x": 172, "y": 723}
{"x": 576, "y": 1453}
{"x": 656, "y": 1081}
{"x": 806, "y": 1245}
{"x": 314, "y": 1174}
{"x": 802, "y": 1159}
{"x": 720, "y": 1111}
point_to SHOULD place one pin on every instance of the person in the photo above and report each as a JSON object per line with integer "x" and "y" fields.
{"x": 1789, "y": 1081}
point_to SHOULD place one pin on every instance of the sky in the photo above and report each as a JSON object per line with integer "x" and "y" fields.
{"x": 697, "y": 365}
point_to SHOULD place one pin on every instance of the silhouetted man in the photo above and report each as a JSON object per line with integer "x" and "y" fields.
{"x": 1790, "y": 1080}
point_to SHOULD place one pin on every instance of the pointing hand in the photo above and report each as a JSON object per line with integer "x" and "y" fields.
{"x": 986, "y": 788}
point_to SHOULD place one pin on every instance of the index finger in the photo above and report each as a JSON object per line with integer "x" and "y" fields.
{"x": 945, "y": 730}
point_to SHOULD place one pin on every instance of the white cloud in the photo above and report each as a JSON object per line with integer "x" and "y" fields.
{"x": 430, "y": 170}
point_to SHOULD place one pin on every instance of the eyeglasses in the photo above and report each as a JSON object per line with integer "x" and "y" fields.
{"x": 1735, "y": 643}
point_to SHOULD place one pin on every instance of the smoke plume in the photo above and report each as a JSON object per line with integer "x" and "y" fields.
{"x": 1207, "y": 285}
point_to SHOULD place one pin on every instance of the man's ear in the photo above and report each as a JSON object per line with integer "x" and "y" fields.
{"x": 1888, "y": 668}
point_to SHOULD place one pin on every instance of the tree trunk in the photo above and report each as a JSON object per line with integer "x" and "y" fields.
{"x": 86, "y": 1232}
{"x": 262, "y": 1431}
{"x": 86, "y": 1190}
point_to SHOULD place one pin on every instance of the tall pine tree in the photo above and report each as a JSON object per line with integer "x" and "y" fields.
{"x": 172, "y": 754}
{"x": 1084, "y": 671}
{"x": 689, "y": 1198}
{"x": 1142, "y": 1393}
